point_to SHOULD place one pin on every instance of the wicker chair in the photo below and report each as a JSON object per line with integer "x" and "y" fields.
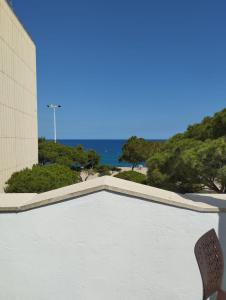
{"x": 210, "y": 260}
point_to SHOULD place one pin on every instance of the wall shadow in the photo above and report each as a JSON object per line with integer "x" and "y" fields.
{"x": 221, "y": 225}
{"x": 222, "y": 238}
{"x": 206, "y": 199}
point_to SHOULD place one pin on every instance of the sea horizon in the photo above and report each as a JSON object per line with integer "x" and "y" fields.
{"x": 108, "y": 149}
{"x": 58, "y": 140}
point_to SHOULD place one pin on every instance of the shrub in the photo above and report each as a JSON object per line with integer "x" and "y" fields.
{"x": 106, "y": 169}
{"x": 115, "y": 169}
{"x": 40, "y": 179}
{"x": 132, "y": 176}
{"x": 103, "y": 170}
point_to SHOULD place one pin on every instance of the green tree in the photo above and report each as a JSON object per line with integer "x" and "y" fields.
{"x": 167, "y": 169}
{"x": 40, "y": 179}
{"x": 210, "y": 127}
{"x": 93, "y": 159}
{"x": 80, "y": 156}
{"x": 194, "y": 160}
{"x": 137, "y": 150}
{"x": 189, "y": 165}
{"x": 132, "y": 176}
{"x": 132, "y": 151}
{"x": 50, "y": 152}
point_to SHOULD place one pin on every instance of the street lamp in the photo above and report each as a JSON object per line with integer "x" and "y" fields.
{"x": 54, "y": 107}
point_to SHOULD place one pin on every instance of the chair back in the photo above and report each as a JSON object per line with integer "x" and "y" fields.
{"x": 210, "y": 260}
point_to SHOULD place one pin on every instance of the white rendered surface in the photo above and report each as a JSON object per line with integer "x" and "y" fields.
{"x": 103, "y": 246}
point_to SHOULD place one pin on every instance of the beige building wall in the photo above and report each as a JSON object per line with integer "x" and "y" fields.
{"x": 18, "y": 96}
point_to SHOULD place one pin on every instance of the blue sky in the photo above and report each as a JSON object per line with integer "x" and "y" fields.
{"x": 122, "y": 68}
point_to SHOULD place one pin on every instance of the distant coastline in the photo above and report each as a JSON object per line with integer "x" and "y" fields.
{"x": 109, "y": 150}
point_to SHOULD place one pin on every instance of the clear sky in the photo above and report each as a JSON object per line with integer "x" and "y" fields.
{"x": 126, "y": 67}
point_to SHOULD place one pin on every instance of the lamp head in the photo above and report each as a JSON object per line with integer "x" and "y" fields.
{"x": 53, "y": 106}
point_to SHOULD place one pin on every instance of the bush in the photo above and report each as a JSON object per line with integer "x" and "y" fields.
{"x": 115, "y": 169}
{"x": 40, "y": 179}
{"x": 132, "y": 176}
{"x": 106, "y": 169}
{"x": 103, "y": 170}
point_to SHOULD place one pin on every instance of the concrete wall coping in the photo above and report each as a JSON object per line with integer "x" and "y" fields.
{"x": 22, "y": 202}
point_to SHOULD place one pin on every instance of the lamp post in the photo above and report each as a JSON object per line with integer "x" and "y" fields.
{"x": 54, "y": 107}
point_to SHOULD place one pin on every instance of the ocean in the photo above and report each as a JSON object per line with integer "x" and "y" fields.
{"x": 109, "y": 150}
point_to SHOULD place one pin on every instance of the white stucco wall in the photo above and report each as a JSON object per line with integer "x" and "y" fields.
{"x": 102, "y": 246}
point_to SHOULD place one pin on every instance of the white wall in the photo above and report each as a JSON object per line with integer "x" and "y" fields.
{"x": 102, "y": 246}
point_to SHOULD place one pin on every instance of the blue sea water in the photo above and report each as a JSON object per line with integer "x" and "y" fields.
{"x": 109, "y": 150}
